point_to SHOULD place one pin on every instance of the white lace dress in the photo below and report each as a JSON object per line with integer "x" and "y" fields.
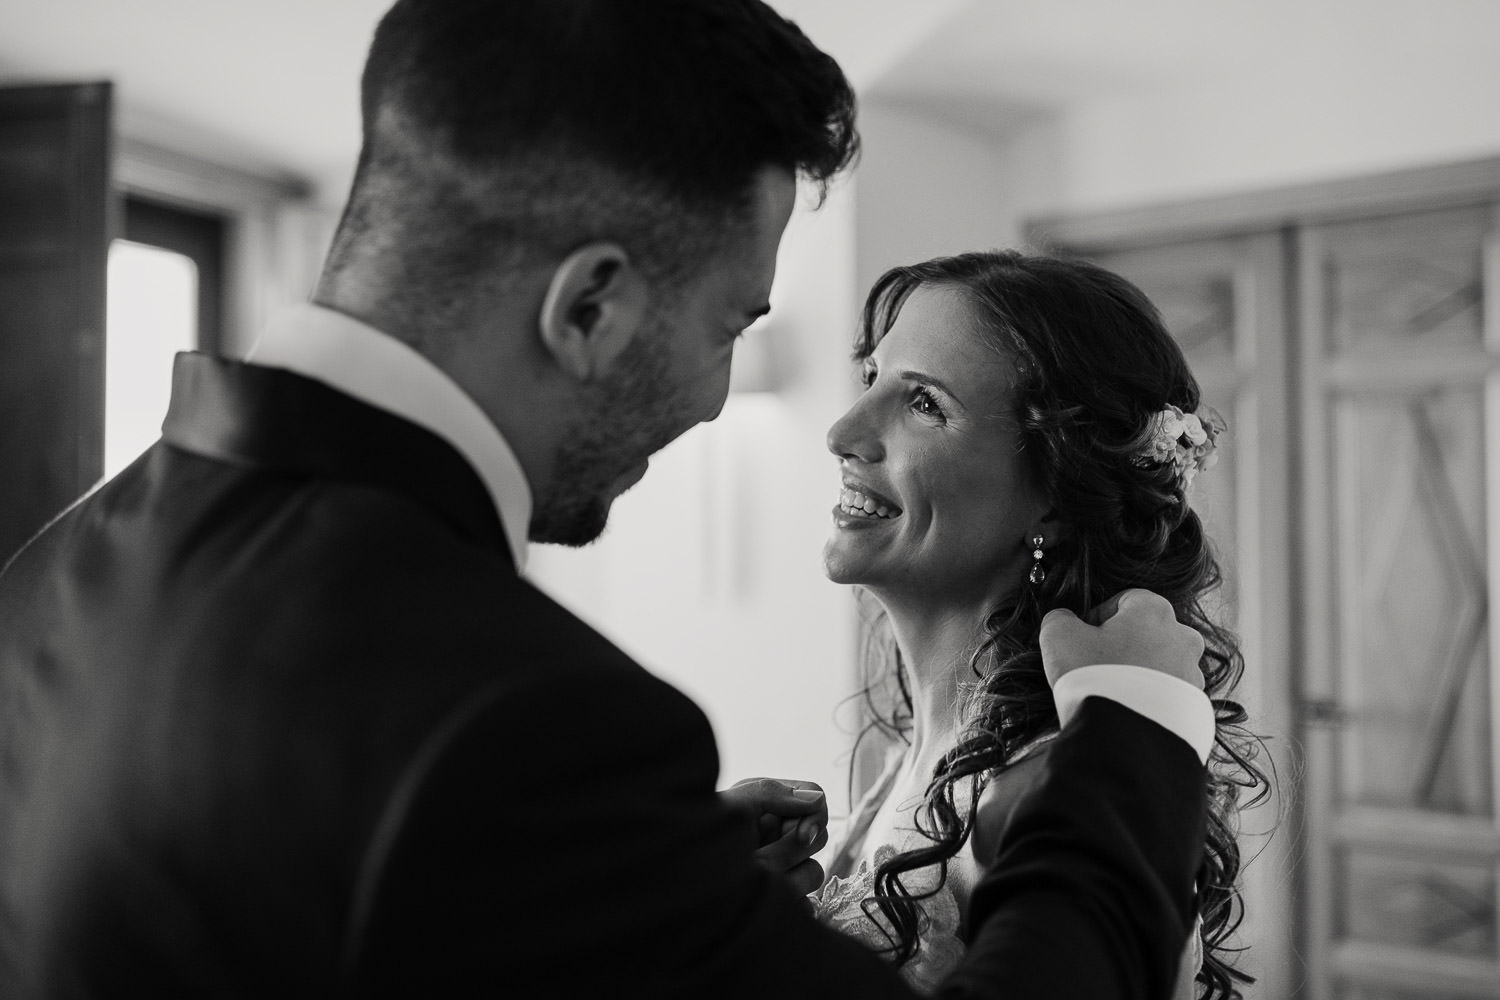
{"x": 851, "y": 883}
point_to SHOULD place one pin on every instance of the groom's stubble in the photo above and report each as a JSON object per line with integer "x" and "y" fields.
{"x": 632, "y": 413}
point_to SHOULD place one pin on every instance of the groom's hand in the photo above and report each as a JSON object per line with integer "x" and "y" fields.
{"x": 790, "y": 823}
{"x": 1135, "y": 627}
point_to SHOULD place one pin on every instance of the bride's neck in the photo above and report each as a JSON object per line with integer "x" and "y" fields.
{"x": 936, "y": 645}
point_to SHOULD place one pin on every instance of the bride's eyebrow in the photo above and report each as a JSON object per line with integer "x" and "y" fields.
{"x": 912, "y": 375}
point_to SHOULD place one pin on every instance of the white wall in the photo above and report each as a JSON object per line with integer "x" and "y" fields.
{"x": 928, "y": 186}
{"x": 1335, "y": 100}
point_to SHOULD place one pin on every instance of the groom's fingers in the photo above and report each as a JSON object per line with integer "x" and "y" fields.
{"x": 793, "y": 851}
{"x": 1059, "y": 634}
{"x": 789, "y": 818}
{"x": 810, "y": 831}
{"x": 806, "y": 877}
{"x": 1137, "y": 627}
{"x": 1104, "y": 611}
{"x": 781, "y": 796}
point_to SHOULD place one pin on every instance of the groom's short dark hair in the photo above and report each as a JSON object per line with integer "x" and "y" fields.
{"x": 525, "y": 128}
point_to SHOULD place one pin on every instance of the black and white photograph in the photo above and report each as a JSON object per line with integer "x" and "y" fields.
{"x": 719, "y": 499}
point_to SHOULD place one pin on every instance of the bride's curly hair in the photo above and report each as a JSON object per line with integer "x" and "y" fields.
{"x": 1095, "y": 364}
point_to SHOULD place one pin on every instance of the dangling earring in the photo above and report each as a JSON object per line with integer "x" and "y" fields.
{"x": 1037, "y": 573}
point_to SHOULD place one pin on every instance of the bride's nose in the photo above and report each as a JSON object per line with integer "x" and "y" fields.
{"x": 854, "y": 434}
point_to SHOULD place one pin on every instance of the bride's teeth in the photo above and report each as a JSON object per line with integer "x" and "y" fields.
{"x": 854, "y": 502}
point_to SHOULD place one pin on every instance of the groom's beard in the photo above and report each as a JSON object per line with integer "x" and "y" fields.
{"x": 633, "y": 414}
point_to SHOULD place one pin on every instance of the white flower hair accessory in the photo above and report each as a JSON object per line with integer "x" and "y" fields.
{"x": 1188, "y": 440}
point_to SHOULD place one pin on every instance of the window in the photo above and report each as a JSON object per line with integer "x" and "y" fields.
{"x": 165, "y": 296}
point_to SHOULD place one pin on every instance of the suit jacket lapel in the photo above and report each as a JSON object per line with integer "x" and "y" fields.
{"x": 273, "y": 419}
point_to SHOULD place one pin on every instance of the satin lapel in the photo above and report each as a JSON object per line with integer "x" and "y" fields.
{"x": 251, "y": 415}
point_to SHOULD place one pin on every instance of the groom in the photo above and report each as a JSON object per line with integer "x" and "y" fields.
{"x": 280, "y": 714}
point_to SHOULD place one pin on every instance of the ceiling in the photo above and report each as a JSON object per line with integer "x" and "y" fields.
{"x": 273, "y": 84}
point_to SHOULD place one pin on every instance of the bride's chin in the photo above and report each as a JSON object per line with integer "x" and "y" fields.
{"x": 836, "y": 565}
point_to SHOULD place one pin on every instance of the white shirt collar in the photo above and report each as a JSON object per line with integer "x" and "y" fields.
{"x": 376, "y": 368}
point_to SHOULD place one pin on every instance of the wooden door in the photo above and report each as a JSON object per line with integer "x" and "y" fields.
{"x": 1400, "y": 401}
{"x": 1224, "y": 301}
{"x": 1363, "y": 577}
{"x": 54, "y": 212}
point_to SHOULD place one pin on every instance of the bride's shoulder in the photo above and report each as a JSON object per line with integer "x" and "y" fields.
{"x": 1002, "y": 793}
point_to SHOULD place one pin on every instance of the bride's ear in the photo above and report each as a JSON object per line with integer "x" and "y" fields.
{"x": 1052, "y": 528}
{"x": 595, "y": 305}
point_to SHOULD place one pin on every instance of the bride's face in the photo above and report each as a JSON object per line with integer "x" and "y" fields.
{"x": 936, "y": 502}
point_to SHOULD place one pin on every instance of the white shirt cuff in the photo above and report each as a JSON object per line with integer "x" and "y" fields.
{"x": 1170, "y": 702}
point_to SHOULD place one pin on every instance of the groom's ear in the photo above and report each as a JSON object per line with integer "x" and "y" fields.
{"x": 595, "y": 305}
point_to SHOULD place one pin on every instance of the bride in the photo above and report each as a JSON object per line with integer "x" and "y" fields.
{"x": 1026, "y": 440}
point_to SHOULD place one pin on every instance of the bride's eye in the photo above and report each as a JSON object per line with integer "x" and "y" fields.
{"x": 925, "y": 403}
{"x": 867, "y": 375}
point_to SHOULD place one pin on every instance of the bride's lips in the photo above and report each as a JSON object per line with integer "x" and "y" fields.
{"x": 860, "y": 504}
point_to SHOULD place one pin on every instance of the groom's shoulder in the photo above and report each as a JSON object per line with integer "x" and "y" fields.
{"x": 541, "y": 666}
{"x": 538, "y": 630}
{"x": 503, "y": 629}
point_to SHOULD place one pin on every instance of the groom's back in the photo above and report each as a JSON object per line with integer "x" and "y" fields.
{"x": 223, "y": 687}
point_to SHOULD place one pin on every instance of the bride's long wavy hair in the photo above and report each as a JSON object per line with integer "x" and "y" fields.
{"x": 1095, "y": 364}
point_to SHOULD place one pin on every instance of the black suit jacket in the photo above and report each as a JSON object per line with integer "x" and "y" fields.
{"x": 278, "y": 718}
